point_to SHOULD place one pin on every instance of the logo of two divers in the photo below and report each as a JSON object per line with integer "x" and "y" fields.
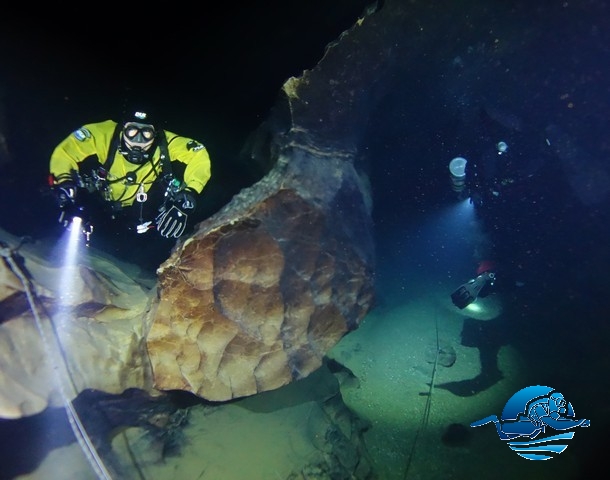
{"x": 527, "y": 414}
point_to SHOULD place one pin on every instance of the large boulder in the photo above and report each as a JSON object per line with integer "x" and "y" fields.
{"x": 258, "y": 295}
{"x": 261, "y": 291}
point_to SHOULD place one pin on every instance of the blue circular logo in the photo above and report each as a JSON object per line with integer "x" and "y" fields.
{"x": 531, "y": 412}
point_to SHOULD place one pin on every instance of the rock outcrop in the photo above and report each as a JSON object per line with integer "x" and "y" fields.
{"x": 67, "y": 327}
{"x": 251, "y": 301}
{"x": 263, "y": 289}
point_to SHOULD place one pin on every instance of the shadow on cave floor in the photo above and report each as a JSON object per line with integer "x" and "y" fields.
{"x": 488, "y": 338}
{"x": 25, "y": 442}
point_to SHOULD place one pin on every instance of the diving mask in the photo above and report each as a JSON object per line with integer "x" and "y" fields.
{"x": 140, "y": 135}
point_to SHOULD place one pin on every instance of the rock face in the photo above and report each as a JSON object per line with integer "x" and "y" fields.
{"x": 67, "y": 328}
{"x": 263, "y": 290}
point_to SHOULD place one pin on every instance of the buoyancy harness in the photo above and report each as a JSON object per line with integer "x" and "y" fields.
{"x": 165, "y": 175}
{"x": 164, "y": 158}
{"x": 98, "y": 179}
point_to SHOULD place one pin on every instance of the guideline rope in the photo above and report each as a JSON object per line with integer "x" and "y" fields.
{"x": 426, "y": 415}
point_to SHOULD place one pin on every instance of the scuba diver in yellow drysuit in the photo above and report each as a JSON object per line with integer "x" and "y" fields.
{"x": 147, "y": 177}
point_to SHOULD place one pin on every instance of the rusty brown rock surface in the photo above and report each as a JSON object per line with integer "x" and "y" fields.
{"x": 261, "y": 291}
{"x": 264, "y": 288}
{"x": 251, "y": 305}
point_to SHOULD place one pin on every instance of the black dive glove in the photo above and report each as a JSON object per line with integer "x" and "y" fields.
{"x": 65, "y": 193}
{"x": 172, "y": 220}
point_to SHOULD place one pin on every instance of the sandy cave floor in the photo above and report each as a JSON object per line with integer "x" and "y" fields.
{"x": 391, "y": 354}
{"x": 271, "y": 435}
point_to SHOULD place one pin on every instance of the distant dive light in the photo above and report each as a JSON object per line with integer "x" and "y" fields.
{"x": 502, "y": 147}
{"x": 457, "y": 169}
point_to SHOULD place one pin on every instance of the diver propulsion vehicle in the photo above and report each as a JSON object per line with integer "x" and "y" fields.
{"x": 468, "y": 292}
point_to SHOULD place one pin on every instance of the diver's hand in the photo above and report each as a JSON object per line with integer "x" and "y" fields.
{"x": 185, "y": 199}
{"x": 172, "y": 222}
{"x": 65, "y": 193}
